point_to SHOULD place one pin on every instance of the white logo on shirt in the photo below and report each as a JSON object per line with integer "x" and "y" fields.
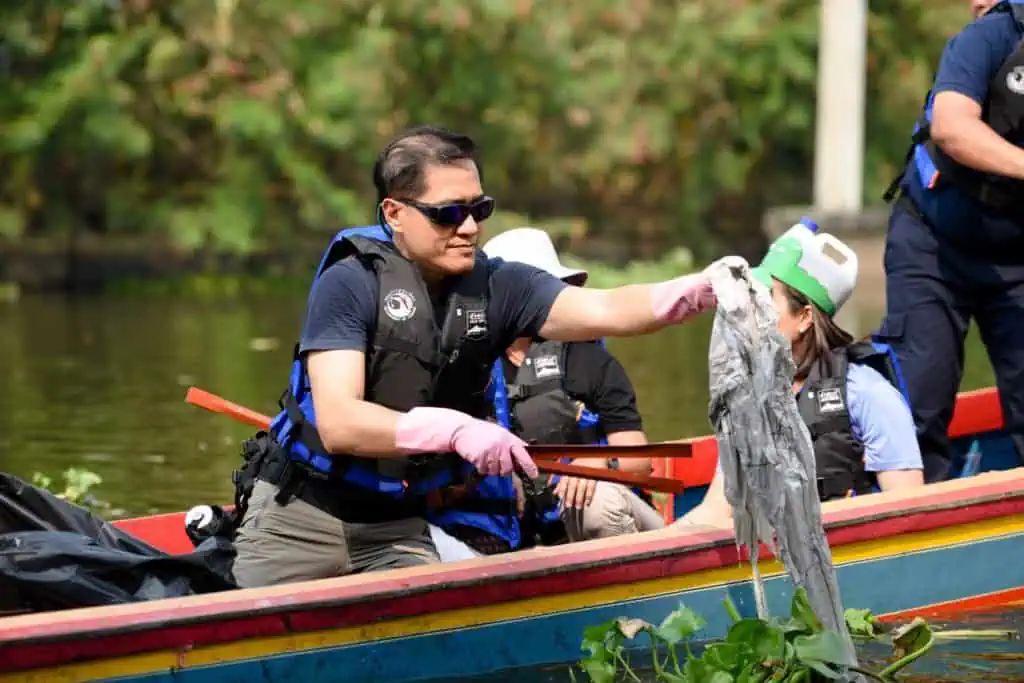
{"x": 546, "y": 366}
{"x": 1015, "y": 80}
{"x": 476, "y": 324}
{"x": 399, "y": 305}
{"x": 830, "y": 401}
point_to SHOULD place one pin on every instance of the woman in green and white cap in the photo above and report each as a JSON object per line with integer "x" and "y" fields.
{"x": 849, "y": 393}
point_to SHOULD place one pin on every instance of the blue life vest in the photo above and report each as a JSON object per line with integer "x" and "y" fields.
{"x": 928, "y": 168}
{"x": 544, "y": 381}
{"x": 409, "y": 363}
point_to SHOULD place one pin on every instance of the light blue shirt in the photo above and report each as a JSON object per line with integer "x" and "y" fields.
{"x": 881, "y": 420}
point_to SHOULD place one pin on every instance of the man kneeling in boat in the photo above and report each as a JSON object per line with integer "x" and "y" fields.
{"x": 850, "y": 394}
{"x": 387, "y": 399}
{"x": 550, "y": 392}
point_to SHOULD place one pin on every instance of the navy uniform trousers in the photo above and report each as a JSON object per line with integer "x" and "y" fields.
{"x": 933, "y": 289}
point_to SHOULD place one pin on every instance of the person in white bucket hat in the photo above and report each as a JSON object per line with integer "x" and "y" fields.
{"x": 553, "y": 393}
{"x": 850, "y": 394}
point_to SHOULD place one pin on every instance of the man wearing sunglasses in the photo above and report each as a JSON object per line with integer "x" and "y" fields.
{"x": 387, "y": 402}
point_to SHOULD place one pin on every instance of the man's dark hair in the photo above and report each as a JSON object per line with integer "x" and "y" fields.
{"x": 399, "y": 171}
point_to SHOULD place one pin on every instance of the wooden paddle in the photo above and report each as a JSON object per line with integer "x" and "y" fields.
{"x": 545, "y": 456}
{"x": 667, "y": 449}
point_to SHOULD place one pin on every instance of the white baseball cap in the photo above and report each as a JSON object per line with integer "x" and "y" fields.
{"x": 534, "y": 248}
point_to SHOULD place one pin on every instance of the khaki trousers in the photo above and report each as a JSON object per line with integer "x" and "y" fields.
{"x": 299, "y": 542}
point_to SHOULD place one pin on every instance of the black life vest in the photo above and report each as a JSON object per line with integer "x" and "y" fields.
{"x": 412, "y": 361}
{"x": 541, "y": 409}
{"x": 823, "y": 405}
{"x": 1003, "y": 111}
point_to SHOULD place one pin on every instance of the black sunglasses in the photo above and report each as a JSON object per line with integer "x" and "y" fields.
{"x": 454, "y": 214}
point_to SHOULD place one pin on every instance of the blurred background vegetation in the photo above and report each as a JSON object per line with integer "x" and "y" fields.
{"x": 627, "y": 127}
{"x": 205, "y": 150}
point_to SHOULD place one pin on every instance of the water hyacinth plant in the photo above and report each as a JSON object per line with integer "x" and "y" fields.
{"x": 77, "y": 484}
{"x": 793, "y": 650}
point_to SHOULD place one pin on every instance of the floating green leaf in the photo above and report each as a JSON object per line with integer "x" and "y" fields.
{"x": 767, "y": 643}
{"x": 803, "y": 613}
{"x": 796, "y": 650}
{"x": 822, "y": 651}
{"x": 598, "y": 670}
{"x": 680, "y": 624}
{"x": 862, "y": 624}
{"x": 909, "y": 643}
{"x": 911, "y": 638}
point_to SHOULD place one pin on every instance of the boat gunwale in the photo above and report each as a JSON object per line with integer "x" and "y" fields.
{"x": 708, "y": 549}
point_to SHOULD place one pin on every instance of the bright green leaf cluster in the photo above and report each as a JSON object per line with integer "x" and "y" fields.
{"x": 77, "y": 485}
{"x": 793, "y": 650}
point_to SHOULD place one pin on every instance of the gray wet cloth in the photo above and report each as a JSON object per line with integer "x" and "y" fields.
{"x": 764, "y": 447}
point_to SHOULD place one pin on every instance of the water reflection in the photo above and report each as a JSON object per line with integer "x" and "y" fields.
{"x": 99, "y": 382}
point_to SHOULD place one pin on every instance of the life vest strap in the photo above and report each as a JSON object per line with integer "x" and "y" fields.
{"x": 304, "y": 432}
{"x": 389, "y": 476}
{"x": 521, "y": 392}
{"x": 921, "y": 135}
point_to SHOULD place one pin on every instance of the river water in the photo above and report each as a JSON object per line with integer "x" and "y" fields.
{"x": 98, "y": 382}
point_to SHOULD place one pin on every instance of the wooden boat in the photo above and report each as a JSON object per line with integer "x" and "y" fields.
{"x": 949, "y": 547}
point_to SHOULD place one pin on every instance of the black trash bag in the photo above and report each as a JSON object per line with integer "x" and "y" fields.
{"x": 56, "y": 555}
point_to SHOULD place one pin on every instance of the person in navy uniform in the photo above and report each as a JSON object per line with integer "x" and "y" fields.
{"x": 955, "y": 246}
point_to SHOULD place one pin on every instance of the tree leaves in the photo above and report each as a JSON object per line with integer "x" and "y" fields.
{"x": 641, "y": 118}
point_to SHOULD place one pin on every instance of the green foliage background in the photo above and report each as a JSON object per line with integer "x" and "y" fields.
{"x": 231, "y": 125}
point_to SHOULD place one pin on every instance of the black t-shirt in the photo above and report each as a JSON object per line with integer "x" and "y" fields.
{"x": 595, "y": 377}
{"x": 342, "y": 309}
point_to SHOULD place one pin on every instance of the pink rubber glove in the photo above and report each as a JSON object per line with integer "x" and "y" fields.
{"x": 491, "y": 449}
{"x": 677, "y": 300}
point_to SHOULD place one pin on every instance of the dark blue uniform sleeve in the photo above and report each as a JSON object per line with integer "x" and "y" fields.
{"x": 342, "y": 309}
{"x": 521, "y": 297}
{"x": 973, "y": 57}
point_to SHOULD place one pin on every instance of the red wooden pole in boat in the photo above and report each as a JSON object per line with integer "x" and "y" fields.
{"x": 546, "y": 456}
{"x": 216, "y": 404}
